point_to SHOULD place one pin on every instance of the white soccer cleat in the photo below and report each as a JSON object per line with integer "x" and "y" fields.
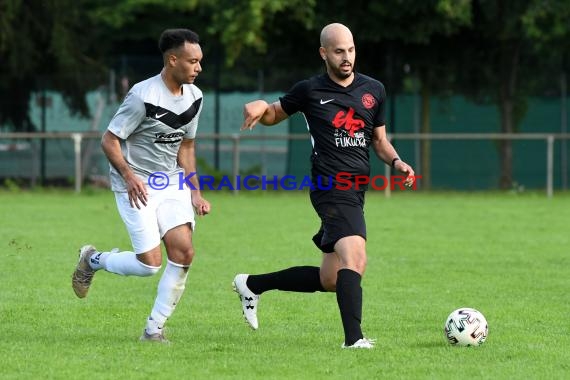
{"x": 248, "y": 300}
{"x": 83, "y": 274}
{"x": 361, "y": 343}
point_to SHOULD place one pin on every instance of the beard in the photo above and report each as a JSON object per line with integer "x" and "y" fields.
{"x": 342, "y": 74}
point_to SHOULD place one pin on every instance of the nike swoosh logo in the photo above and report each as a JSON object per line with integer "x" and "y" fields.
{"x": 326, "y": 101}
{"x": 161, "y": 115}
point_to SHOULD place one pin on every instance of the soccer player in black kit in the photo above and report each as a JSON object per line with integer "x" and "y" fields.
{"x": 345, "y": 115}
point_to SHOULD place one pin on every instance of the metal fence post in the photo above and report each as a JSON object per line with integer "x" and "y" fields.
{"x": 387, "y": 174}
{"x": 77, "y": 137}
{"x": 35, "y": 162}
{"x": 235, "y": 159}
{"x": 388, "y": 183}
{"x": 549, "y": 165}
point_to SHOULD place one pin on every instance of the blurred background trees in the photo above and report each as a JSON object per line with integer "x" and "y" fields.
{"x": 490, "y": 51}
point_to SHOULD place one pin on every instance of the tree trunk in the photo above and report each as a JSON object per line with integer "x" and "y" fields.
{"x": 509, "y": 64}
{"x": 425, "y": 146}
{"x": 506, "y": 146}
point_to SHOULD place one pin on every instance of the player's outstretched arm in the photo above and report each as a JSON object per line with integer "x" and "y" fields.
{"x": 260, "y": 111}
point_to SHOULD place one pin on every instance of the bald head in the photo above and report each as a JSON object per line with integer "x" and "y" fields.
{"x": 338, "y": 51}
{"x": 334, "y": 33}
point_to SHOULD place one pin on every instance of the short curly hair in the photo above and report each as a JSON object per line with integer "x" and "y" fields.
{"x": 174, "y": 38}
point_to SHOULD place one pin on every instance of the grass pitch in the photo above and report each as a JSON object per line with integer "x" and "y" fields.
{"x": 504, "y": 254}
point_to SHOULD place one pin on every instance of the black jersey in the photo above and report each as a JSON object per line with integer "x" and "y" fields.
{"x": 340, "y": 120}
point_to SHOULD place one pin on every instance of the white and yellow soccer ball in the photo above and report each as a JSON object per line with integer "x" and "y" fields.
{"x": 466, "y": 327}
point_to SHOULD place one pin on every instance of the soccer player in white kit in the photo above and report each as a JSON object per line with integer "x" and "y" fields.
{"x": 150, "y": 147}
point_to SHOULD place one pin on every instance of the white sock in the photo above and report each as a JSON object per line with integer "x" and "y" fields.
{"x": 170, "y": 289}
{"x": 124, "y": 263}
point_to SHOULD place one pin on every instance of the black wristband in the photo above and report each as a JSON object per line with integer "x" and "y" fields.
{"x": 394, "y": 161}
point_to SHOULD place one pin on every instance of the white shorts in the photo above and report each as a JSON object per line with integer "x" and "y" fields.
{"x": 165, "y": 210}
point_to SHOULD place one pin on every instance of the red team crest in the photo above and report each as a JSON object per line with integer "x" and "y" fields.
{"x": 368, "y": 101}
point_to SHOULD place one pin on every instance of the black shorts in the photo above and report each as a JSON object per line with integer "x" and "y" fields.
{"x": 342, "y": 215}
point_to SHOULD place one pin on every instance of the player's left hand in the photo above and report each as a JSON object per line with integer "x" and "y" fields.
{"x": 407, "y": 170}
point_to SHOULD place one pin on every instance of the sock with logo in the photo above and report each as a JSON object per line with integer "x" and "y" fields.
{"x": 304, "y": 279}
{"x": 97, "y": 260}
{"x": 349, "y": 299}
{"x": 170, "y": 289}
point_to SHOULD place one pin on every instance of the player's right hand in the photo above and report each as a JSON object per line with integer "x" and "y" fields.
{"x": 137, "y": 191}
{"x": 252, "y": 112}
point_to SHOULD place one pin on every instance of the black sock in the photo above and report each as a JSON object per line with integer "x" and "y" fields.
{"x": 296, "y": 279}
{"x": 349, "y": 298}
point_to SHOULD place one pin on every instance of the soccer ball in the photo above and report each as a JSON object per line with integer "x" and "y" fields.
{"x": 466, "y": 327}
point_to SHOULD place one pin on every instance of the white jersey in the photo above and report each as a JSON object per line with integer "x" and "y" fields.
{"x": 151, "y": 123}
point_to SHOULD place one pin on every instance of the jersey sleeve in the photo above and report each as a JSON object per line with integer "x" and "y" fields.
{"x": 128, "y": 117}
{"x": 380, "y": 117}
{"x": 193, "y": 125}
{"x": 294, "y": 100}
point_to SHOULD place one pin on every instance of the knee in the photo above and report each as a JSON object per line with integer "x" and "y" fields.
{"x": 189, "y": 255}
{"x": 356, "y": 262}
{"x": 185, "y": 256}
{"x": 360, "y": 264}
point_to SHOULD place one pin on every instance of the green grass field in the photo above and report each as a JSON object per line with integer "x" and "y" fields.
{"x": 504, "y": 254}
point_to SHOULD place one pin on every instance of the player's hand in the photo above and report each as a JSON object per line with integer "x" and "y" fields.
{"x": 407, "y": 170}
{"x": 201, "y": 205}
{"x": 137, "y": 191}
{"x": 252, "y": 112}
